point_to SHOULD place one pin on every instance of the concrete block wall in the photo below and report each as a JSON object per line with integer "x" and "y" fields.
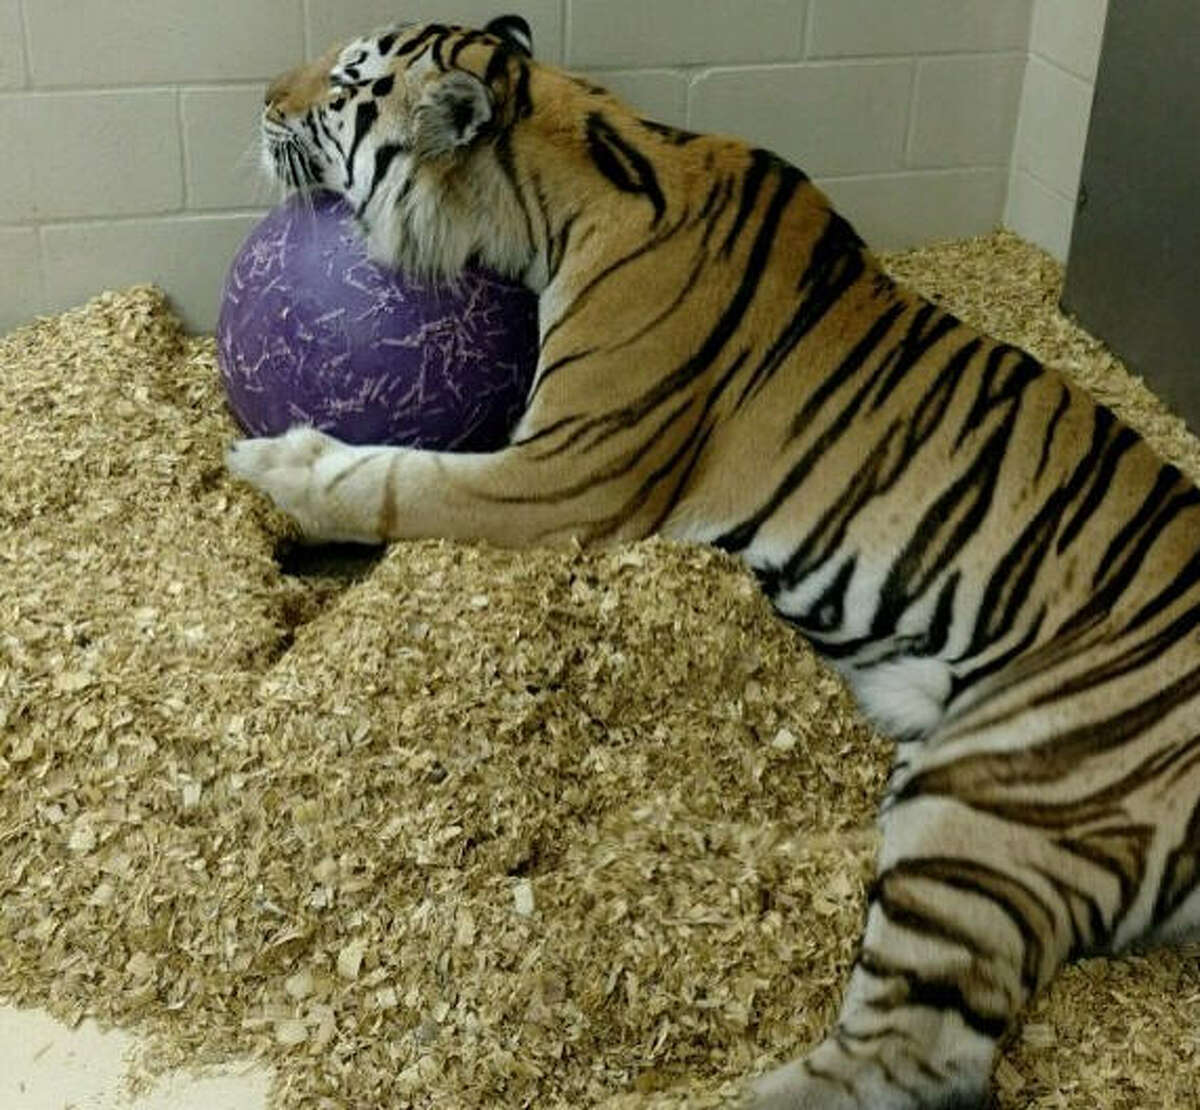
{"x": 903, "y": 111}
{"x": 1056, "y": 104}
{"x": 128, "y": 126}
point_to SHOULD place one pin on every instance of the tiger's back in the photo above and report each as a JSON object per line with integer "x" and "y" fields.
{"x": 1006, "y": 573}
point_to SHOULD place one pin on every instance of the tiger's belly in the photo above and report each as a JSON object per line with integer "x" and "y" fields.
{"x": 899, "y": 665}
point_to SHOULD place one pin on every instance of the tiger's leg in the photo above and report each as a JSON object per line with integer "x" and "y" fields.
{"x": 963, "y": 926}
{"x": 512, "y": 497}
{"x": 1177, "y": 902}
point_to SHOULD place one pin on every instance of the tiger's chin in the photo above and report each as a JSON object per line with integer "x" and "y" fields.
{"x": 432, "y": 229}
{"x": 413, "y": 236}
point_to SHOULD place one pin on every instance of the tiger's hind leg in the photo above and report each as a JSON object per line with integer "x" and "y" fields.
{"x": 1183, "y": 927}
{"x": 963, "y": 926}
{"x": 1177, "y": 904}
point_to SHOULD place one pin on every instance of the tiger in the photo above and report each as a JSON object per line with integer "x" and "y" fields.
{"x": 1006, "y": 575}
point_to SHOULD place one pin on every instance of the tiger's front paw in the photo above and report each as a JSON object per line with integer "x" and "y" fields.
{"x": 795, "y": 1087}
{"x": 873, "y": 1077}
{"x": 308, "y": 474}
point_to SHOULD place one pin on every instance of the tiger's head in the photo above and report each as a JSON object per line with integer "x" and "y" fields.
{"x": 409, "y": 125}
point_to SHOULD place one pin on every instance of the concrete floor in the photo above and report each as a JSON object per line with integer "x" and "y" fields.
{"x": 46, "y": 1066}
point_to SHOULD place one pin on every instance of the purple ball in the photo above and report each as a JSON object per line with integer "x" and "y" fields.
{"x": 312, "y": 331}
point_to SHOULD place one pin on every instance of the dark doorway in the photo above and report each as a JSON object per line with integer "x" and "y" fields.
{"x": 1133, "y": 272}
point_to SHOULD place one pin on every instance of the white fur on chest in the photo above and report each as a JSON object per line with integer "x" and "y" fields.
{"x": 902, "y": 697}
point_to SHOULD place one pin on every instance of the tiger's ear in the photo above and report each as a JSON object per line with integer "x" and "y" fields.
{"x": 452, "y": 113}
{"x": 513, "y": 30}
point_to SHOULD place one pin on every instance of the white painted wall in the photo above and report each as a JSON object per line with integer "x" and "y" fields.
{"x": 128, "y": 126}
{"x": 1056, "y": 103}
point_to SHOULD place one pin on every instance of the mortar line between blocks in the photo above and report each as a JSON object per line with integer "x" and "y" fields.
{"x": 186, "y": 185}
{"x": 910, "y": 124}
{"x": 26, "y": 52}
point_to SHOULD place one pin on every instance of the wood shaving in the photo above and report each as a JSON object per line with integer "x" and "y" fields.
{"x": 451, "y": 826}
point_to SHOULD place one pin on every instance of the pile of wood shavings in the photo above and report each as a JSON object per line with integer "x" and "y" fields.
{"x": 460, "y": 827}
